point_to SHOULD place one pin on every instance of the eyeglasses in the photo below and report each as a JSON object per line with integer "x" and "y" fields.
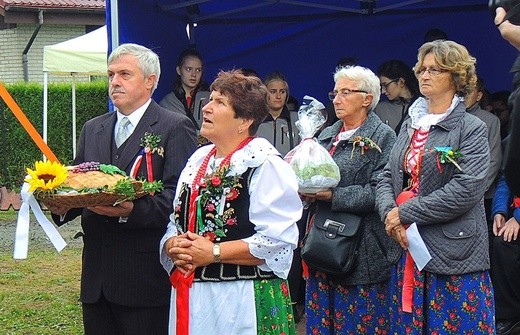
{"x": 190, "y": 69}
{"x": 343, "y": 93}
{"x": 384, "y": 86}
{"x": 432, "y": 71}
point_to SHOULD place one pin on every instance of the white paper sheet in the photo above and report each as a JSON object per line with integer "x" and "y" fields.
{"x": 417, "y": 248}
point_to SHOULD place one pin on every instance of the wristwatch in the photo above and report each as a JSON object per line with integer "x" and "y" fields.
{"x": 216, "y": 253}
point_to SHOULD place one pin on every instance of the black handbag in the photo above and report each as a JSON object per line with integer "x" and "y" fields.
{"x": 332, "y": 243}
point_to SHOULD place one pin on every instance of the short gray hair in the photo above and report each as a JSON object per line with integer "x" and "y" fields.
{"x": 147, "y": 59}
{"x": 366, "y": 79}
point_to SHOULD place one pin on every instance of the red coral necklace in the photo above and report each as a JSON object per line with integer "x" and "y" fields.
{"x": 196, "y": 184}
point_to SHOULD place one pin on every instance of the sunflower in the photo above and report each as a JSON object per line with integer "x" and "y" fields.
{"x": 46, "y": 176}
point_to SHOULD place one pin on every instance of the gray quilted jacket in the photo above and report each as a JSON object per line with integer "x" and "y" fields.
{"x": 355, "y": 193}
{"x": 449, "y": 208}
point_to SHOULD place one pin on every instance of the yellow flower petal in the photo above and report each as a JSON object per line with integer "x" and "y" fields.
{"x": 46, "y": 176}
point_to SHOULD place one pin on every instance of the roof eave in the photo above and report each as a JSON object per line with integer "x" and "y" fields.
{"x": 14, "y": 14}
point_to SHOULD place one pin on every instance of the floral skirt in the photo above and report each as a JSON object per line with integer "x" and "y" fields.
{"x": 445, "y": 304}
{"x": 333, "y": 308}
{"x": 274, "y": 313}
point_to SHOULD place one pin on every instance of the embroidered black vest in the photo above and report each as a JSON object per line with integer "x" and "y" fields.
{"x": 236, "y": 226}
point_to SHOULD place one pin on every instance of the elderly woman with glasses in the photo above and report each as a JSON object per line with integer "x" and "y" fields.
{"x": 360, "y": 143}
{"x": 433, "y": 190}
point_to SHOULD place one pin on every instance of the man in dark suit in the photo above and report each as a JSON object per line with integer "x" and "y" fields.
{"x": 124, "y": 289}
{"x": 506, "y": 247}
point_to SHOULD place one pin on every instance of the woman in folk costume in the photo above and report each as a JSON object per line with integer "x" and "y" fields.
{"x": 435, "y": 181}
{"x": 230, "y": 241}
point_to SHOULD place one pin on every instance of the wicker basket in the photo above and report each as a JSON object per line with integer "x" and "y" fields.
{"x": 81, "y": 200}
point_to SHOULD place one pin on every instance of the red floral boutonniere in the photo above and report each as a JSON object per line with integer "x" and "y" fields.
{"x": 150, "y": 143}
{"x": 447, "y": 155}
{"x": 219, "y": 184}
{"x": 364, "y": 143}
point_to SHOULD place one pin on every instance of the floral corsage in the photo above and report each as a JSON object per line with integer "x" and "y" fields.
{"x": 364, "y": 143}
{"x": 150, "y": 143}
{"x": 447, "y": 155}
{"x": 216, "y": 189}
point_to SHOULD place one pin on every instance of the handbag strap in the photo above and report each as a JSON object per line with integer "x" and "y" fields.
{"x": 310, "y": 218}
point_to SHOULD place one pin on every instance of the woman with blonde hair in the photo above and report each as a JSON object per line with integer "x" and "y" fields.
{"x": 434, "y": 184}
{"x": 279, "y": 126}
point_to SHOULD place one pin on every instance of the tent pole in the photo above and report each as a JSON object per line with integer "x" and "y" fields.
{"x": 114, "y": 25}
{"x": 73, "y": 116}
{"x": 45, "y": 106}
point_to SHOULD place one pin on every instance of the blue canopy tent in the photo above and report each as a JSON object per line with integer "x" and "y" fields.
{"x": 304, "y": 39}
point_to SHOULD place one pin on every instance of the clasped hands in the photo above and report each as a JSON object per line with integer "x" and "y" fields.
{"x": 189, "y": 251}
{"x": 325, "y": 195}
{"x": 395, "y": 229}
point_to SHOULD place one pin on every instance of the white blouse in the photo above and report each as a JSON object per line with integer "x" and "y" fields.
{"x": 275, "y": 205}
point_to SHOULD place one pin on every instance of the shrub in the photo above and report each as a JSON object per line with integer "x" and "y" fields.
{"x": 16, "y": 146}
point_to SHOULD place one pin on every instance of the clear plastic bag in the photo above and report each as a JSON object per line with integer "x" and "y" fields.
{"x": 314, "y": 167}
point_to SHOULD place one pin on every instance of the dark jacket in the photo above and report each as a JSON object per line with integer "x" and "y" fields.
{"x": 282, "y": 132}
{"x": 512, "y": 150}
{"x": 176, "y": 101}
{"x": 495, "y": 149}
{"x": 393, "y": 113}
{"x": 121, "y": 260}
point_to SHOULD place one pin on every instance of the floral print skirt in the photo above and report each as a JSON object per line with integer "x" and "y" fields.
{"x": 333, "y": 308}
{"x": 445, "y": 304}
{"x": 274, "y": 315}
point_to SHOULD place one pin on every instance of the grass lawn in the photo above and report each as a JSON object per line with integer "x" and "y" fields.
{"x": 9, "y": 215}
{"x": 40, "y": 295}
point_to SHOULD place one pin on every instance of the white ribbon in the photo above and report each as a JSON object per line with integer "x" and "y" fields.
{"x": 21, "y": 242}
{"x": 135, "y": 166}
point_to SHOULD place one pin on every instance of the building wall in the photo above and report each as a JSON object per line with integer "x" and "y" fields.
{"x": 14, "y": 41}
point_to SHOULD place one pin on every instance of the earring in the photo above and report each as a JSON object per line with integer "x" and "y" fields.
{"x": 240, "y": 130}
